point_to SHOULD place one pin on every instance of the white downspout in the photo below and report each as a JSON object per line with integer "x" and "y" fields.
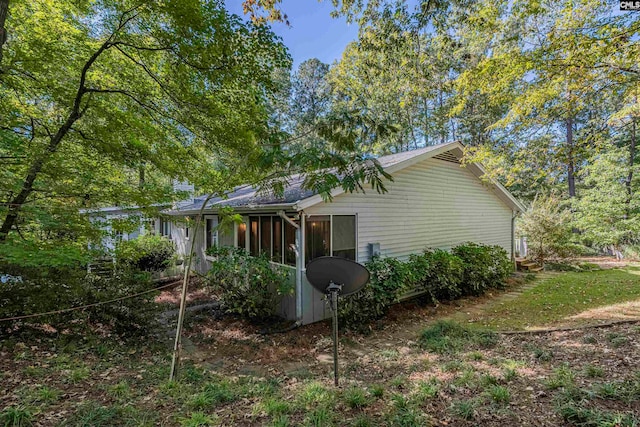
{"x": 298, "y": 251}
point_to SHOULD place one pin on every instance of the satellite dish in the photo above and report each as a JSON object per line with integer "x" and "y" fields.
{"x": 323, "y": 271}
{"x": 333, "y": 275}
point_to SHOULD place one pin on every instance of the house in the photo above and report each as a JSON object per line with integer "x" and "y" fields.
{"x": 432, "y": 202}
{"x": 126, "y": 223}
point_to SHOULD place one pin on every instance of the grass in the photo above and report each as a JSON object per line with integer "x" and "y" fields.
{"x": 558, "y": 297}
{"x": 464, "y": 375}
{"x": 16, "y": 417}
{"x": 464, "y": 409}
{"x": 355, "y": 398}
{"x": 446, "y": 336}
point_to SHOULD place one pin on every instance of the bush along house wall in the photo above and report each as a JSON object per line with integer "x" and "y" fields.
{"x": 469, "y": 269}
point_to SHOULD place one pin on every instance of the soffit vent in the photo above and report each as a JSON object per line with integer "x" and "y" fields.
{"x": 447, "y": 157}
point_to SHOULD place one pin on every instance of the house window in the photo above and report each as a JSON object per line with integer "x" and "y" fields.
{"x": 318, "y": 237}
{"x": 330, "y": 235}
{"x": 270, "y": 235}
{"x": 211, "y": 232}
{"x": 165, "y": 227}
{"x": 242, "y": 235}
{"x": 276, "y": 248}
{"x": 265, "y": 235}
{"x": 254, "y": 235}
{"x": 344, "y": 236}
{"x": 289, "y": 244}
{"x": 225, "y": 234}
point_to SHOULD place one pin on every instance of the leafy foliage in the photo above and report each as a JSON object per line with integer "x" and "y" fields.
{"x": 470, "y": 269}
{"x": 248, "y": 286}
{"x": 389, "y": 279}
{"x": 438, "y": 273}
{"x": 484, "y": 267}
{"x": 547, "y": 227}
{"x": 147, "y": 252}
{"x": 38, "y": 291}
{"x": 105, "y": 102}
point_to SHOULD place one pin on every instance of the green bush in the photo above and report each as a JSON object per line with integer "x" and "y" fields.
{"x": 248, "y": 286}
{"x": 438, "y": 273}
{"x": 484, "y": 267}
{"x": 146, "y": 253}
{"x": 49, "y": 290}
{"x": 389, "y": 279}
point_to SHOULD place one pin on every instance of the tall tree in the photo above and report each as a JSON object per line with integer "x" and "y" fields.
{"x": 98, "y": 89}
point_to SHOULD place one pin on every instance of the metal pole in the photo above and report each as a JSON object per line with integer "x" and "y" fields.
{"x": 334, "y": 303}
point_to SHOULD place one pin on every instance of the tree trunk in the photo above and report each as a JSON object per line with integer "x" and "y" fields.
{"x": 141, "y": 177}
{"x": 15, "y": 205}
{"x": 632, "y": 159}
{"x": 4, "y": 10}
{"x": 571, "y": 179}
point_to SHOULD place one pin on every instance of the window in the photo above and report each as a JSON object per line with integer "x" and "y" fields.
{"x": 242, "y": 235}
{"x": 254, "y": 235}
{"x": 276, "y": 248}
{"x": 265, "y": 235}
{"x": 330, "y": 235}
{"x": 270, "y": 235}
{"x": 187, "y": 226}
{"x": 165, "y": 227}
{"x": 344, "y": 236}
{"x": 211, "y": 232}
{"x": 318, "y": 237}
{"x": 289, "y": 244}
{"x": 225, "y": 234}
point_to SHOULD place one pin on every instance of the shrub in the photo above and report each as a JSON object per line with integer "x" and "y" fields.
{"x": 484, "y": 267}
{"x": 547, "y": 227}
{"x": 389, "y": 279}
{"x": 438, "y": 273}
{"x": 51, "y": 290}
{"x": 146, "y": 253}
{"x": 248, "y": 286}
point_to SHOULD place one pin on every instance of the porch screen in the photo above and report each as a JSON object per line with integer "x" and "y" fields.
{"x": 317, "y": 237}
{"x": 254, "y": 236}
{"x": 242, "y": 235}
{"x": 225, "y": 234}
{"x": 276, "y": 249}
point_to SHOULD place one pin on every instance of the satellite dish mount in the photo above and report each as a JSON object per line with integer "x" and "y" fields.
{"x": 334, "y": 276}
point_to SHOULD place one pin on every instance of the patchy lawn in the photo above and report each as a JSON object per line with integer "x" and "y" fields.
{"x": 564, "y": 299}
{"x": 410, "y": 371}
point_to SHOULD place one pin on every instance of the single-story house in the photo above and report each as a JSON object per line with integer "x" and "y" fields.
{"x": 135, "y": 220}
{"x": 432, "y": 202}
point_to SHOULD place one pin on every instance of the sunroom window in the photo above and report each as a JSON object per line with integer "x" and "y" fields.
{"x": 272, "y": 236}
{"x": 327, "y": 235}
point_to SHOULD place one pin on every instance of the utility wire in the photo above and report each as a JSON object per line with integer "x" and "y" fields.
{"x": 82, "y": 307}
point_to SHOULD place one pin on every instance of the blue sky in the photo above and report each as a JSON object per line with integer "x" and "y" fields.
{"x": 312, "y": 33}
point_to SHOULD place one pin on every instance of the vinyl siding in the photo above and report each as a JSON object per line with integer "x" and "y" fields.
{"x": 433, "y": 203}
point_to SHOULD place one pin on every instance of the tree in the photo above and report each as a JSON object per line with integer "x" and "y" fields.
{"x": 146, "y": 86}
{"x": 556, "y": 62}
{"x": 547, "y": 227}
{"x": 607, "y": 212}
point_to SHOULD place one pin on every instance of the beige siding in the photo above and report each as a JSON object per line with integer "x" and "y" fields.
{"x": 433, "y": 203}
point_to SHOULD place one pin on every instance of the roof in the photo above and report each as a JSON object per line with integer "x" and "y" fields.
{"x": 295, "y": 197}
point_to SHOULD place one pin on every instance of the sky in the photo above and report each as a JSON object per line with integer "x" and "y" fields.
{"x": 312, "y": 33}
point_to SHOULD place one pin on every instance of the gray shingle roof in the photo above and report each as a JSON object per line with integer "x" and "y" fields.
{"x": 246, "y": 196}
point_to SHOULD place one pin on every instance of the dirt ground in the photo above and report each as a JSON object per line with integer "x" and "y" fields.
{"x": 577, "y": 377}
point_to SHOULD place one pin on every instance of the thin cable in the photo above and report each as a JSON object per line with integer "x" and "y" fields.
{"x": 82, "y": 307}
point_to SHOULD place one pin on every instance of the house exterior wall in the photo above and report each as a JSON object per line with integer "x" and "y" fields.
{"x": 434, "y": 203}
